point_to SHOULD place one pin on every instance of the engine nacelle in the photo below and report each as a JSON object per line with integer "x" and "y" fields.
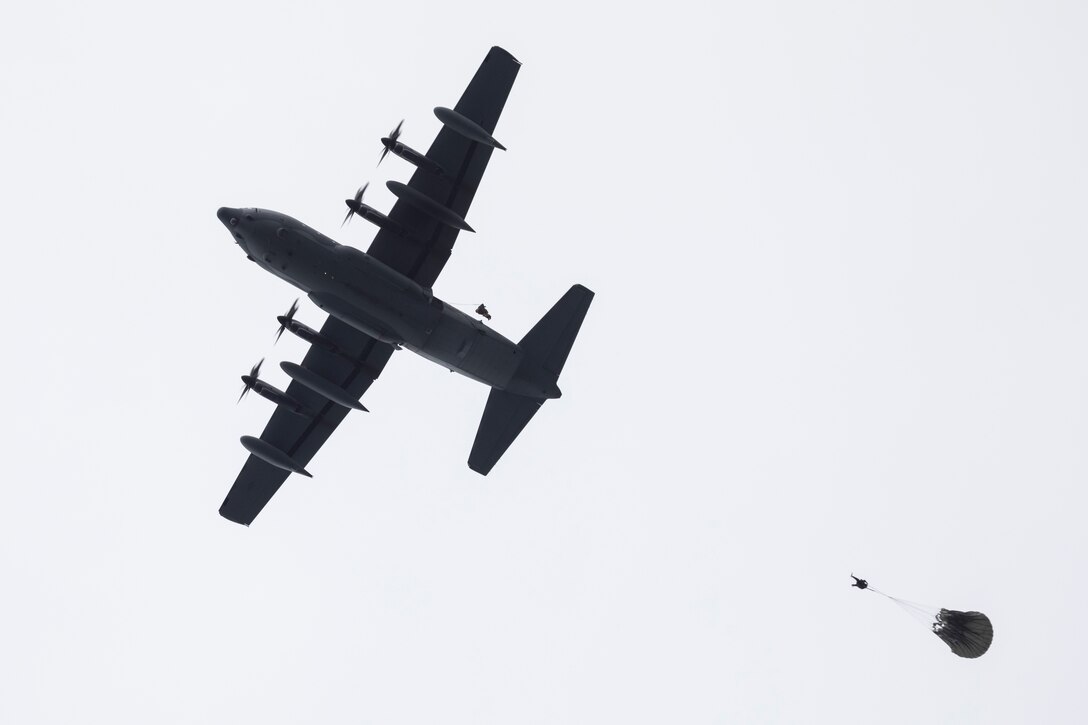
{"x": 309, "y": 334}
{"x": 375, "y": 217}
{"x": 273, "y": 394}
{"x": 417, "y": 159}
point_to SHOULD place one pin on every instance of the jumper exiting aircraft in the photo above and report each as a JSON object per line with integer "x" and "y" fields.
{"x": 381, "y": 301}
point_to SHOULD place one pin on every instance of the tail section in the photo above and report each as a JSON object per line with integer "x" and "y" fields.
{"x": 550, "y": 340}
{"x": 546, "y": 348}
{"x": 505, "y": 415}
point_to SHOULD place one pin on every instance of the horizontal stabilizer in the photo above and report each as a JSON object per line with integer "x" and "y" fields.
{"x": 505, "y": 416}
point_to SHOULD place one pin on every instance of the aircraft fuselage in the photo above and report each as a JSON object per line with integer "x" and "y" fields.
{"x": 366, "y": 294}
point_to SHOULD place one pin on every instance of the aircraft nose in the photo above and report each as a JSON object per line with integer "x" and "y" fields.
{"x": 225, "y": 214}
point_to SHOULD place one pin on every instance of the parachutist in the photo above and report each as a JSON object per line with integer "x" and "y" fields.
{"x": 482, "y": 312}
{"x": 859, "y": 583}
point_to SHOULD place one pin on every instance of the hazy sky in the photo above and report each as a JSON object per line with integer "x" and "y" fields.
{"x": 839, "y": 256}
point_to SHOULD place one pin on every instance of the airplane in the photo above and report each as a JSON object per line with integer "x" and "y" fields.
{"x": 382, "y": 300}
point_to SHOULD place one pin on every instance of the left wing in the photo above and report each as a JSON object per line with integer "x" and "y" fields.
{"x": 358, "y": 362}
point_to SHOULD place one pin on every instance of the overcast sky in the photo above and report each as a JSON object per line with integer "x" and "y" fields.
{"x": 839, "y": 256}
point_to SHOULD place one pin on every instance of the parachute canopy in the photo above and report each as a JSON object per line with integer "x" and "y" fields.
{"x": 968, "y": 634}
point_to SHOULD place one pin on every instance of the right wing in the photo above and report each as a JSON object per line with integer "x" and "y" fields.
{"x": 360, "y": 360}
{"x": 422, "y": 257}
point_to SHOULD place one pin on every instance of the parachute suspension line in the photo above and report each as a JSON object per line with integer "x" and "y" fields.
{"x": 478, "y": 309}
{"x": 923, "y": 613}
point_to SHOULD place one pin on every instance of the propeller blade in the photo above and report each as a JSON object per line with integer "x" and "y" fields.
{"x": 247, "y": 383}
{"x": 287, "y": 318}
{"x": 382, "y": 157}
{"x": 396, "y": 131}
{"x": 358, "y": 200}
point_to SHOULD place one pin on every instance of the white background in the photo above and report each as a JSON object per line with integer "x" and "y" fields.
{"x": 839, "y": 258}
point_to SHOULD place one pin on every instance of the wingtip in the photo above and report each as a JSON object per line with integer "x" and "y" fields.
{"x": 504, "y": 51}
{"x": 232, "y": 518}
{"x": 584, "y": 290}
{"x": 483, "y": 471}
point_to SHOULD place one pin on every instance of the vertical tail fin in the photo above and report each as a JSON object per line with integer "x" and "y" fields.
{"x": 550, "y": 340}
{"x": 546, "y": 348}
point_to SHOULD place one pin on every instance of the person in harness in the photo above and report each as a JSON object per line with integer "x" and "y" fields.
{"x": 859, "y": 583}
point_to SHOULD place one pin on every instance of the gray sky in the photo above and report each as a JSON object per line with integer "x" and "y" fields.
{"x": 839, "y": 261}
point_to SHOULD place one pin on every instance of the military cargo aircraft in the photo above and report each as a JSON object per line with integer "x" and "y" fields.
{"x": 381, "y": 301}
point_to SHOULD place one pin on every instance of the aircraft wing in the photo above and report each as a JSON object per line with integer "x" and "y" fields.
{"x": 422, "y": 257}
{"x": 354, "y": 367}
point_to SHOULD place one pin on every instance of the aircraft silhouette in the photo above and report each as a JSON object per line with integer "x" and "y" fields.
{"x": 381, "y": 301}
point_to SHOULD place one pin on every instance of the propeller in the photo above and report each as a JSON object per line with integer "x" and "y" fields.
{"x": 357, "y": 201}
{"x": 254, "y": 372}
{"x": 286, "y": 319}
{"x": 392, "y": 139}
